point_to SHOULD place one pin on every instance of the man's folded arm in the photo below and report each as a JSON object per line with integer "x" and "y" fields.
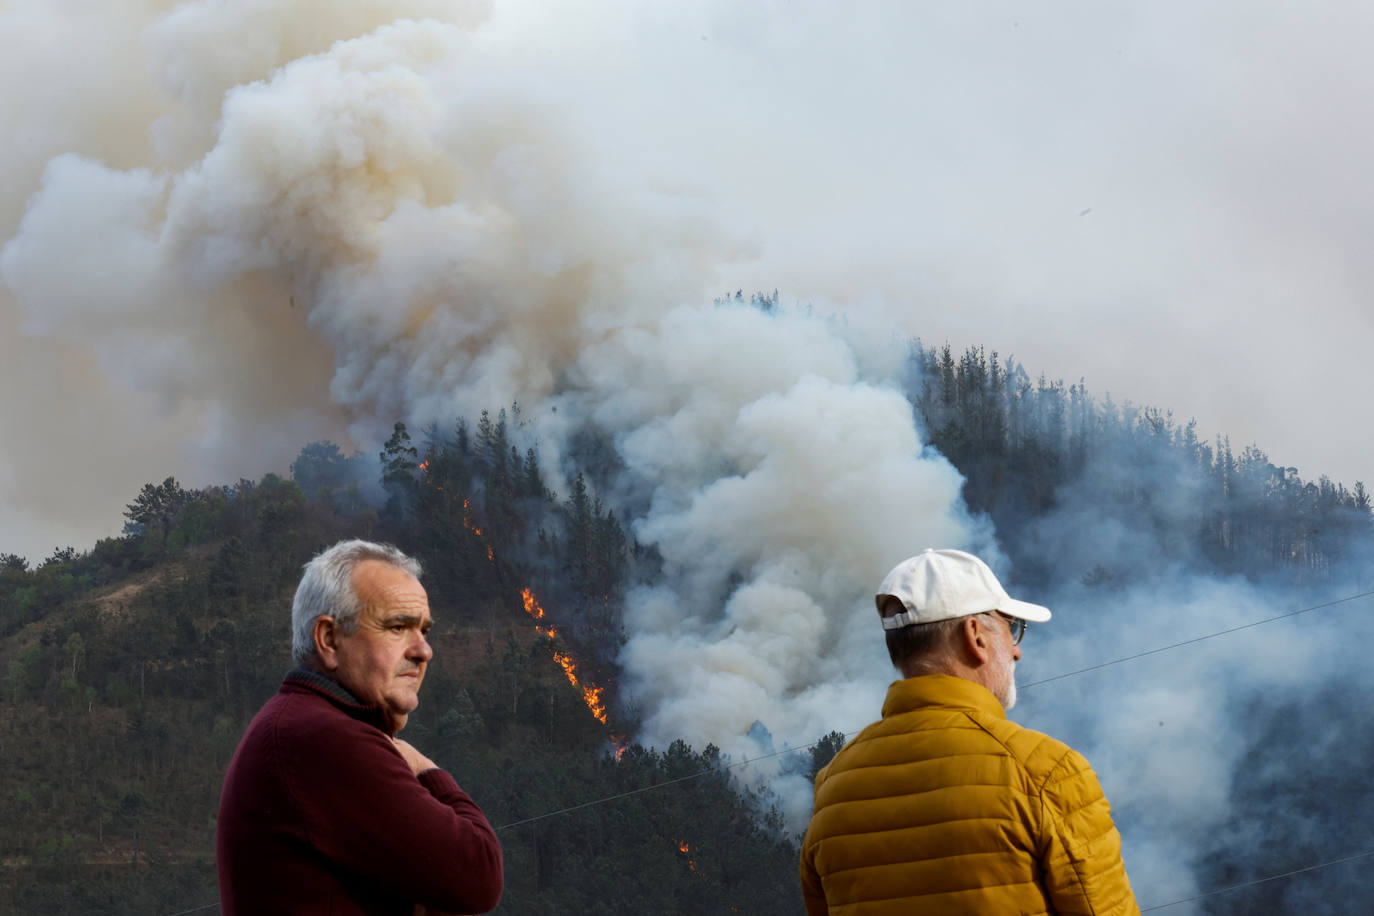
{"x": 422, "y": 836}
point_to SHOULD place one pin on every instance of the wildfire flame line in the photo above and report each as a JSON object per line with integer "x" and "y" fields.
{"x": 467, "y": 507}
{"x": 467, "y": 523}
{"x": 591, "y": 694}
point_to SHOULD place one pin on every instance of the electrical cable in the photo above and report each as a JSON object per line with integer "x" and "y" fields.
{"x": 657, "y": 785}
{"x": 1057, "y": 677}
{"x": 1257, "y": 881}
{"x": 1048, "y": 680}
{"x": 1196, "y": 639}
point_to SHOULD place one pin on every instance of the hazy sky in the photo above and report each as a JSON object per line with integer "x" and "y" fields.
{"x": 1167, "y": 200}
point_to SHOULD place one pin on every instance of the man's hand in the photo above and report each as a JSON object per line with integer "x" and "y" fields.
{"x": 417, "y": 762}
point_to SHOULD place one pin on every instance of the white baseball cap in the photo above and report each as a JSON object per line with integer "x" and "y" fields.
{"x": 944, "y": 584}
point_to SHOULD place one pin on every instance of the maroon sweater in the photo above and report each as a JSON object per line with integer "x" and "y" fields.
{"x": 320, "y": 814}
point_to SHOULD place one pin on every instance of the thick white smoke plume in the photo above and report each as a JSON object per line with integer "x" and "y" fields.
{"x": 241, "y": 227}
{"x": 405, "y": 216}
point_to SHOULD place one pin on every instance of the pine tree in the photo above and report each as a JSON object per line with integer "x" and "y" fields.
{"x": 400, "y": 461}
{"x": 156, "y": 507}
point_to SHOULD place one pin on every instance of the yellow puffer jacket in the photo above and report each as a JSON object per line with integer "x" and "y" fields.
{"x": 946, "y": 806}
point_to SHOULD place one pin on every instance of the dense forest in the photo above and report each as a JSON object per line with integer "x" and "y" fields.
{"x": 1028, "y": 448}
{"x": 130, "y": 670}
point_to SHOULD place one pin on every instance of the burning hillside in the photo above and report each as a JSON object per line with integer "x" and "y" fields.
{"x": 591, "y": 695}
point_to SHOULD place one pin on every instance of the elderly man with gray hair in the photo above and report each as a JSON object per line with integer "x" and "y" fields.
{"x": 324, "y": 809}
{"x": 945, "y": 805}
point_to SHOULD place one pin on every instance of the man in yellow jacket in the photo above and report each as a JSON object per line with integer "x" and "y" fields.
{"x": 945, "y": 806}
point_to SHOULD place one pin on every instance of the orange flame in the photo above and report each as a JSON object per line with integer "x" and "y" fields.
{"x": 686, "y": 850}
{"x": 467, "y": 505}
{"x": 424, "y": 465}
{"x": 591, "y": 694}
{"x": 531, "y": 606}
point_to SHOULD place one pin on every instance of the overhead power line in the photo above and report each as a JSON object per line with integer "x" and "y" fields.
{"x": 848, "y": 734}
{"x": 1258, "y": 881}
{"x": 657, "y": 785}
{"x": 1048, "y": 680}
{"x": 1196, "y": 639}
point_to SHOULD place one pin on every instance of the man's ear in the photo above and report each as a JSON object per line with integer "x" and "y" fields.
{"x": 977, "y": 640}
{"x": 326, "y": 633}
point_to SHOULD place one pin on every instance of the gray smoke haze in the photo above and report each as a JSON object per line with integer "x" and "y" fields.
{"x": 236, "y": 229}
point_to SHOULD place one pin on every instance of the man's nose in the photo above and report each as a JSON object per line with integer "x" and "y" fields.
{"x": 420, "y": 649}
{"x": 1016, "y": 653}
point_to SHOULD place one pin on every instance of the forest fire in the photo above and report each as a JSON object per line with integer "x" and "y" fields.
{"x": 531, "y": 605}
{"x": 467, "y": 523}
{"x": 467, "y": 508}
{"x": 686, "y": 851}
{"x": 591, "y": 694}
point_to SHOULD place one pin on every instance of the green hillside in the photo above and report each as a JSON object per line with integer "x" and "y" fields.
{"x": 131, "y": 671}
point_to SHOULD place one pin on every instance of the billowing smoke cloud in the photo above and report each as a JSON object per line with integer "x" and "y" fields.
{"x": 1038, "y": 184}
{"x": 403, "y": 216}
{"x": 239, "y": 228}
{"x": 782, "y": 492}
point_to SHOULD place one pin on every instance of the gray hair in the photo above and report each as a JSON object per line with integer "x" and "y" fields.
{"x": 921, "y": 641}
{"x": 917, "y": 642}
{"x": 326, "y": 588}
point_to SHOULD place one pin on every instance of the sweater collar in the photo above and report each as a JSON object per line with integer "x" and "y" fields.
{"x": 940, "y": 690}
{"x": 339, "y": 695}
{"x": 324, "y": 684}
